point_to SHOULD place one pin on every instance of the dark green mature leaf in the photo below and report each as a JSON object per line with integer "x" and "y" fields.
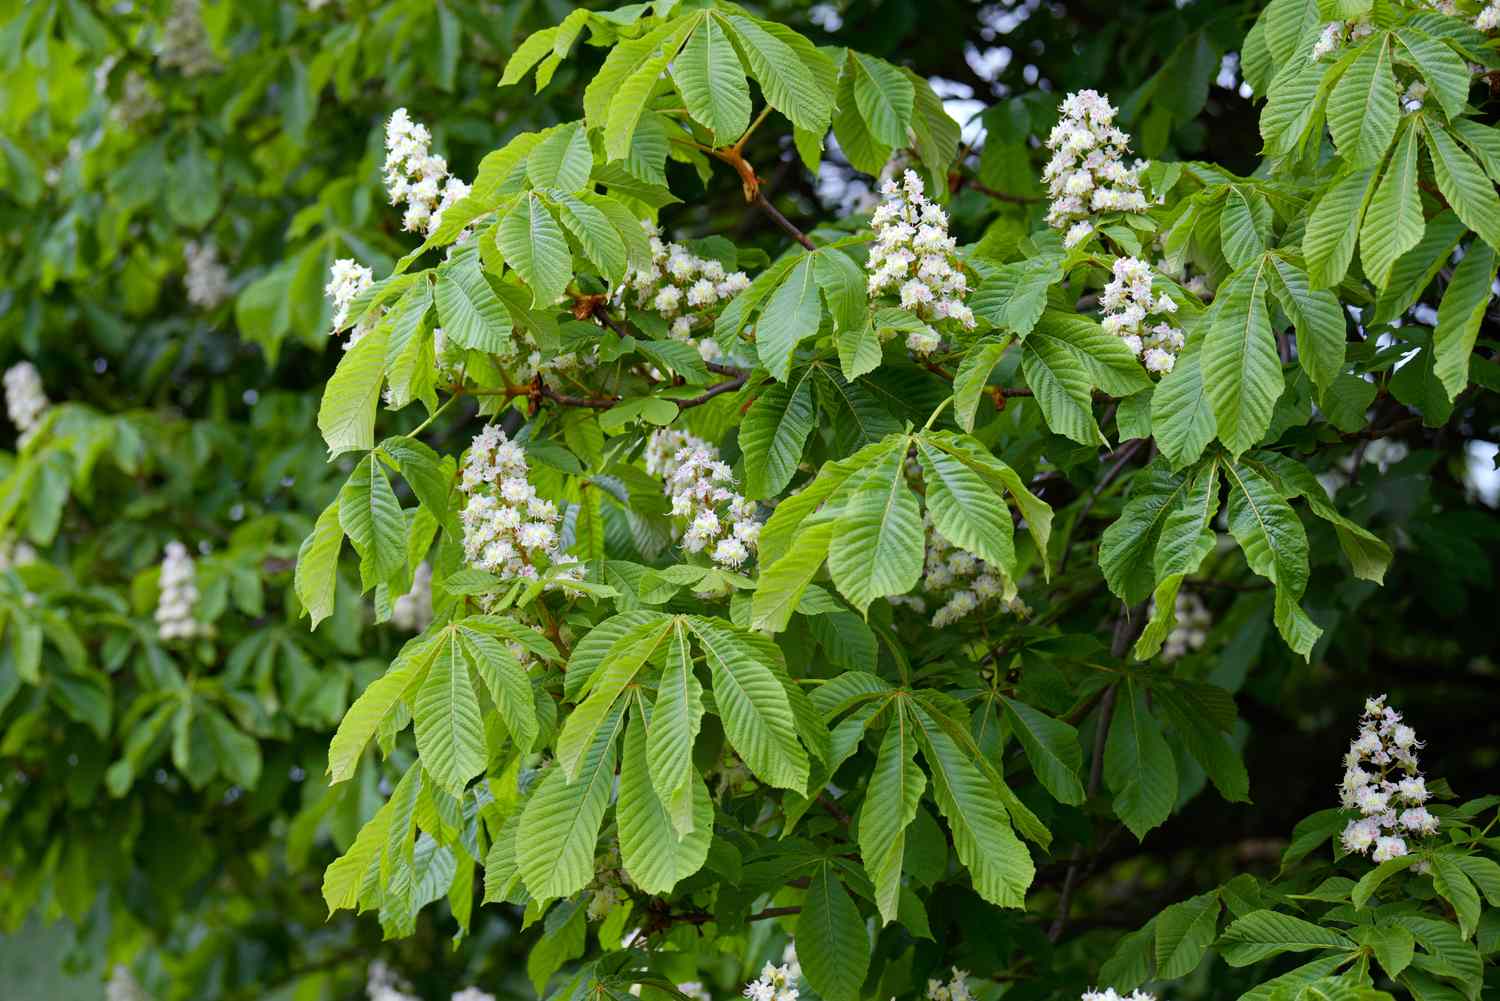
{"x": 1138, "y": 764}
{"x": 1183, "y": 934}
{"x": 1052, "y": 748}
{"x": 877, "y": 544}
{"x": 773, "y": 434}
{"x": 1275, "y": 546}
{"x": 835, "y": 950}
{"x": 1460, "y": 315}
{"x": 1263, "y": 934}
{"x": 1318, "y": 318}
{"x": 1241, "y": 369}
{"x": 1363, "y": 108}
{"x": 891, "y": 799}
{"x": 965, "y": 510}
{"x": 1470, "y": 193}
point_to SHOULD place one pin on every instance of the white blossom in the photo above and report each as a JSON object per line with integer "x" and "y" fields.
{"x": 1383, "y": 783}
{"x": 413, "y": 610}
{"x": 206, "y": 280}
{"x": 1139, "y": 318}
{"x": 414, "y": 175}
{"x": 122, "y": 985}
{"x": 184, "y": 42}
{"x": 17, "y": 553}
{"x": 136, "y": 102}
{"x": 1087, "y": 174}
{"x": 472, "y": 994}
{"x": 346, "y": 280}
{"x": 1108, "y": 994}
{"x": 713, "y": 517}
{"x": 695, "y": 990}
{"x": 509, "y": 530}
{"x": 1488, "y": 19}
{"x": 915, "y": 260}
{"x": 956, "y": 989}
{"x": 959, "y": 582}
{"x": 382, "y": 984}
{"x": 1191, "y": 629}
{"x": 178, "y": 594}
{"x": 24, "y": 397}
{"x": 687, "y": 290}
{"x": 775, "y": 983}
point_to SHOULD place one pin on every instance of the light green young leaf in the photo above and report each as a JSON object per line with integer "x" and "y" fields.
{"x": 656, "y": 853}
{"x": 1318, "y": 319}
{"x": 316, "y": 576}
{"x": 1262, "y": 934}
{"x": 965, "y": 510}
{"x": 600, "y": 240}
{"x": 1464, "y": 185}
{"x": 773, "y": 434}
{"x": 1459, "y": 316}
{"x": 450, "y": 734}
{"x": 471, "y": 314}
{"x": 533, "y": 244}
{"x": 346, "y": 417}
{"x": 796, "y": 79}
{"x": 1182, "y": 416}
{"x": 1333, "y": 226}
{"x": 562, "y": 159}
{"x": 1444, "y": 70}
{"x": 560, "y": 824}
{"x": 884, "y": 96}
{"x": 793, "y": 313}
{"x": 972, "y": 375}
{"x": 712, "y": 82}
{"x": 1394, "y": 223}
{"x": 1275, "y": 546}
{"x": 375, "y": 703}
{"x": 877, "y": 544}
{"x": 1241, "y": 368}
{"x": 674, "y": 726}
{"x": 782, "y": 583}
{"x": 371, "y": 517}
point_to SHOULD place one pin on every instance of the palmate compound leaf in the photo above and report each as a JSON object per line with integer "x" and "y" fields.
{"x": 1052, "y": 748}
{"x": 400, "y": 682}
{"x": 560, "y": 822}
{"x": 533, "y": 244}
{"x": 998, "y": 862}
{"x": 891, "y": 799}
{"x": 656, "y": 852}
{"x": 626, "y": 657}
{"x": 965, "y": 510}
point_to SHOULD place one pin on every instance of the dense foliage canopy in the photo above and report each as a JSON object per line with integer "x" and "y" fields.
{"x": 854, "y": 500}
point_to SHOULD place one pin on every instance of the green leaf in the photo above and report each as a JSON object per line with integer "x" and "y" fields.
{"x": 1263, "y": 934}
{"x": 560, "y": 824}
{"x": 533, "y": 244}
{"x": 999, "y": 476}
{"x": 1183, "y": 934}
{"x": 1318, "y": 318}
{"x": 600, "y": 240}
{"x": 834, "y": 949}
{"x": 1182, "y": 416}
{"x": 792, "y": 79}
{"x": 891, "y": 798}
{"x": 863, "y": 151}
{"x": 1333, "y": 227}
{"x": 626, "y": 658}
{"x": 675, "y": 722}
{"x": 884, "y": 96}
{"x": 1415, "y": 270}
{"x": 656, "y": 855}
{"x": 965, "y": 511}
{"x": 712, "y": 82}
{"x": 1110, "y": 364}
{"x": 1363, "y": 109}
{"x": 1393, "y": 946}
{"x": 1453, "y": 885}
{"x": 375, "y": 703}
{"x": 316, "y": 577}
{"x": 792, "y": 314}
{"x": 1061, "y": 384}
{"x": 782, "y": 583}
{"x": 997, "y": 861}
{"x": 372, "y": 518}
{"x": 1127, "y": 544}
{"x": 1209, "y": 746}
{"x": 1138, "y": 764}
{"x": 877, "y": 546}
{"x": 1241, "y": 368}
{"x": 1275, "y": 546}
{"x": 773, "y": 434}
{"x": 1444, "y": 70}
{"x": 450, "y": 734}
{"x": 752, "y": 703}
{"x": 972, "y": 376}
{"x": 936, "y": 132}
{"x": 1464, "y": 185}
{"x": 507, "y": 683}
{"x": 1243, "y": 236}
{"x": 1459, "y": 317}
{"x": 346, "y": 417}
{"x": 1394, "y": 223}
{"x": 471, "y": 314}
{"x": 1052, "y": 748}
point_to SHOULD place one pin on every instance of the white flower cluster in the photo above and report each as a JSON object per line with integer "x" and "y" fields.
{"x": 1382, "y": 781}
{"x": 719, "y": 520}
{"x": 472, "y": 994}
{"x": 663, "y": 447}
{"x": 1337, "y": 34}
{"x": 695, "y": 990}
{"x": 136, "y": 102}
{"x": 777, "y": 983}
{"x": 413, "y": 610}
{"x": 1488, "y": 19}
{"x": 184, "y": 43}
{"x": 24, "y": 397}
{"x": 508, "y": 529}
{"x": 179, "y": 593}
{"x": 19, "y": 553}
{"x": 122, "y": 985}
{"x": 682, "y": 287}
{"x": 1191, "y": 630}
{"x": 1108, "y": 994}
{"x": 958, "y": 578}
{"x": 207, "y": 280}
{"x": 415, "y": 176}
{"x": 346, "y": 280}
{"x": 1129, "y": 309}
{"x": 382, "y": 984}
{"x": 1087, "y": 173}
{"x": 956, "y": 989}
{"x": 915, "y": 258}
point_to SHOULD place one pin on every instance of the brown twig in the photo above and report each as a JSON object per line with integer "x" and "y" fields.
{"x": 969, "y": 182}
